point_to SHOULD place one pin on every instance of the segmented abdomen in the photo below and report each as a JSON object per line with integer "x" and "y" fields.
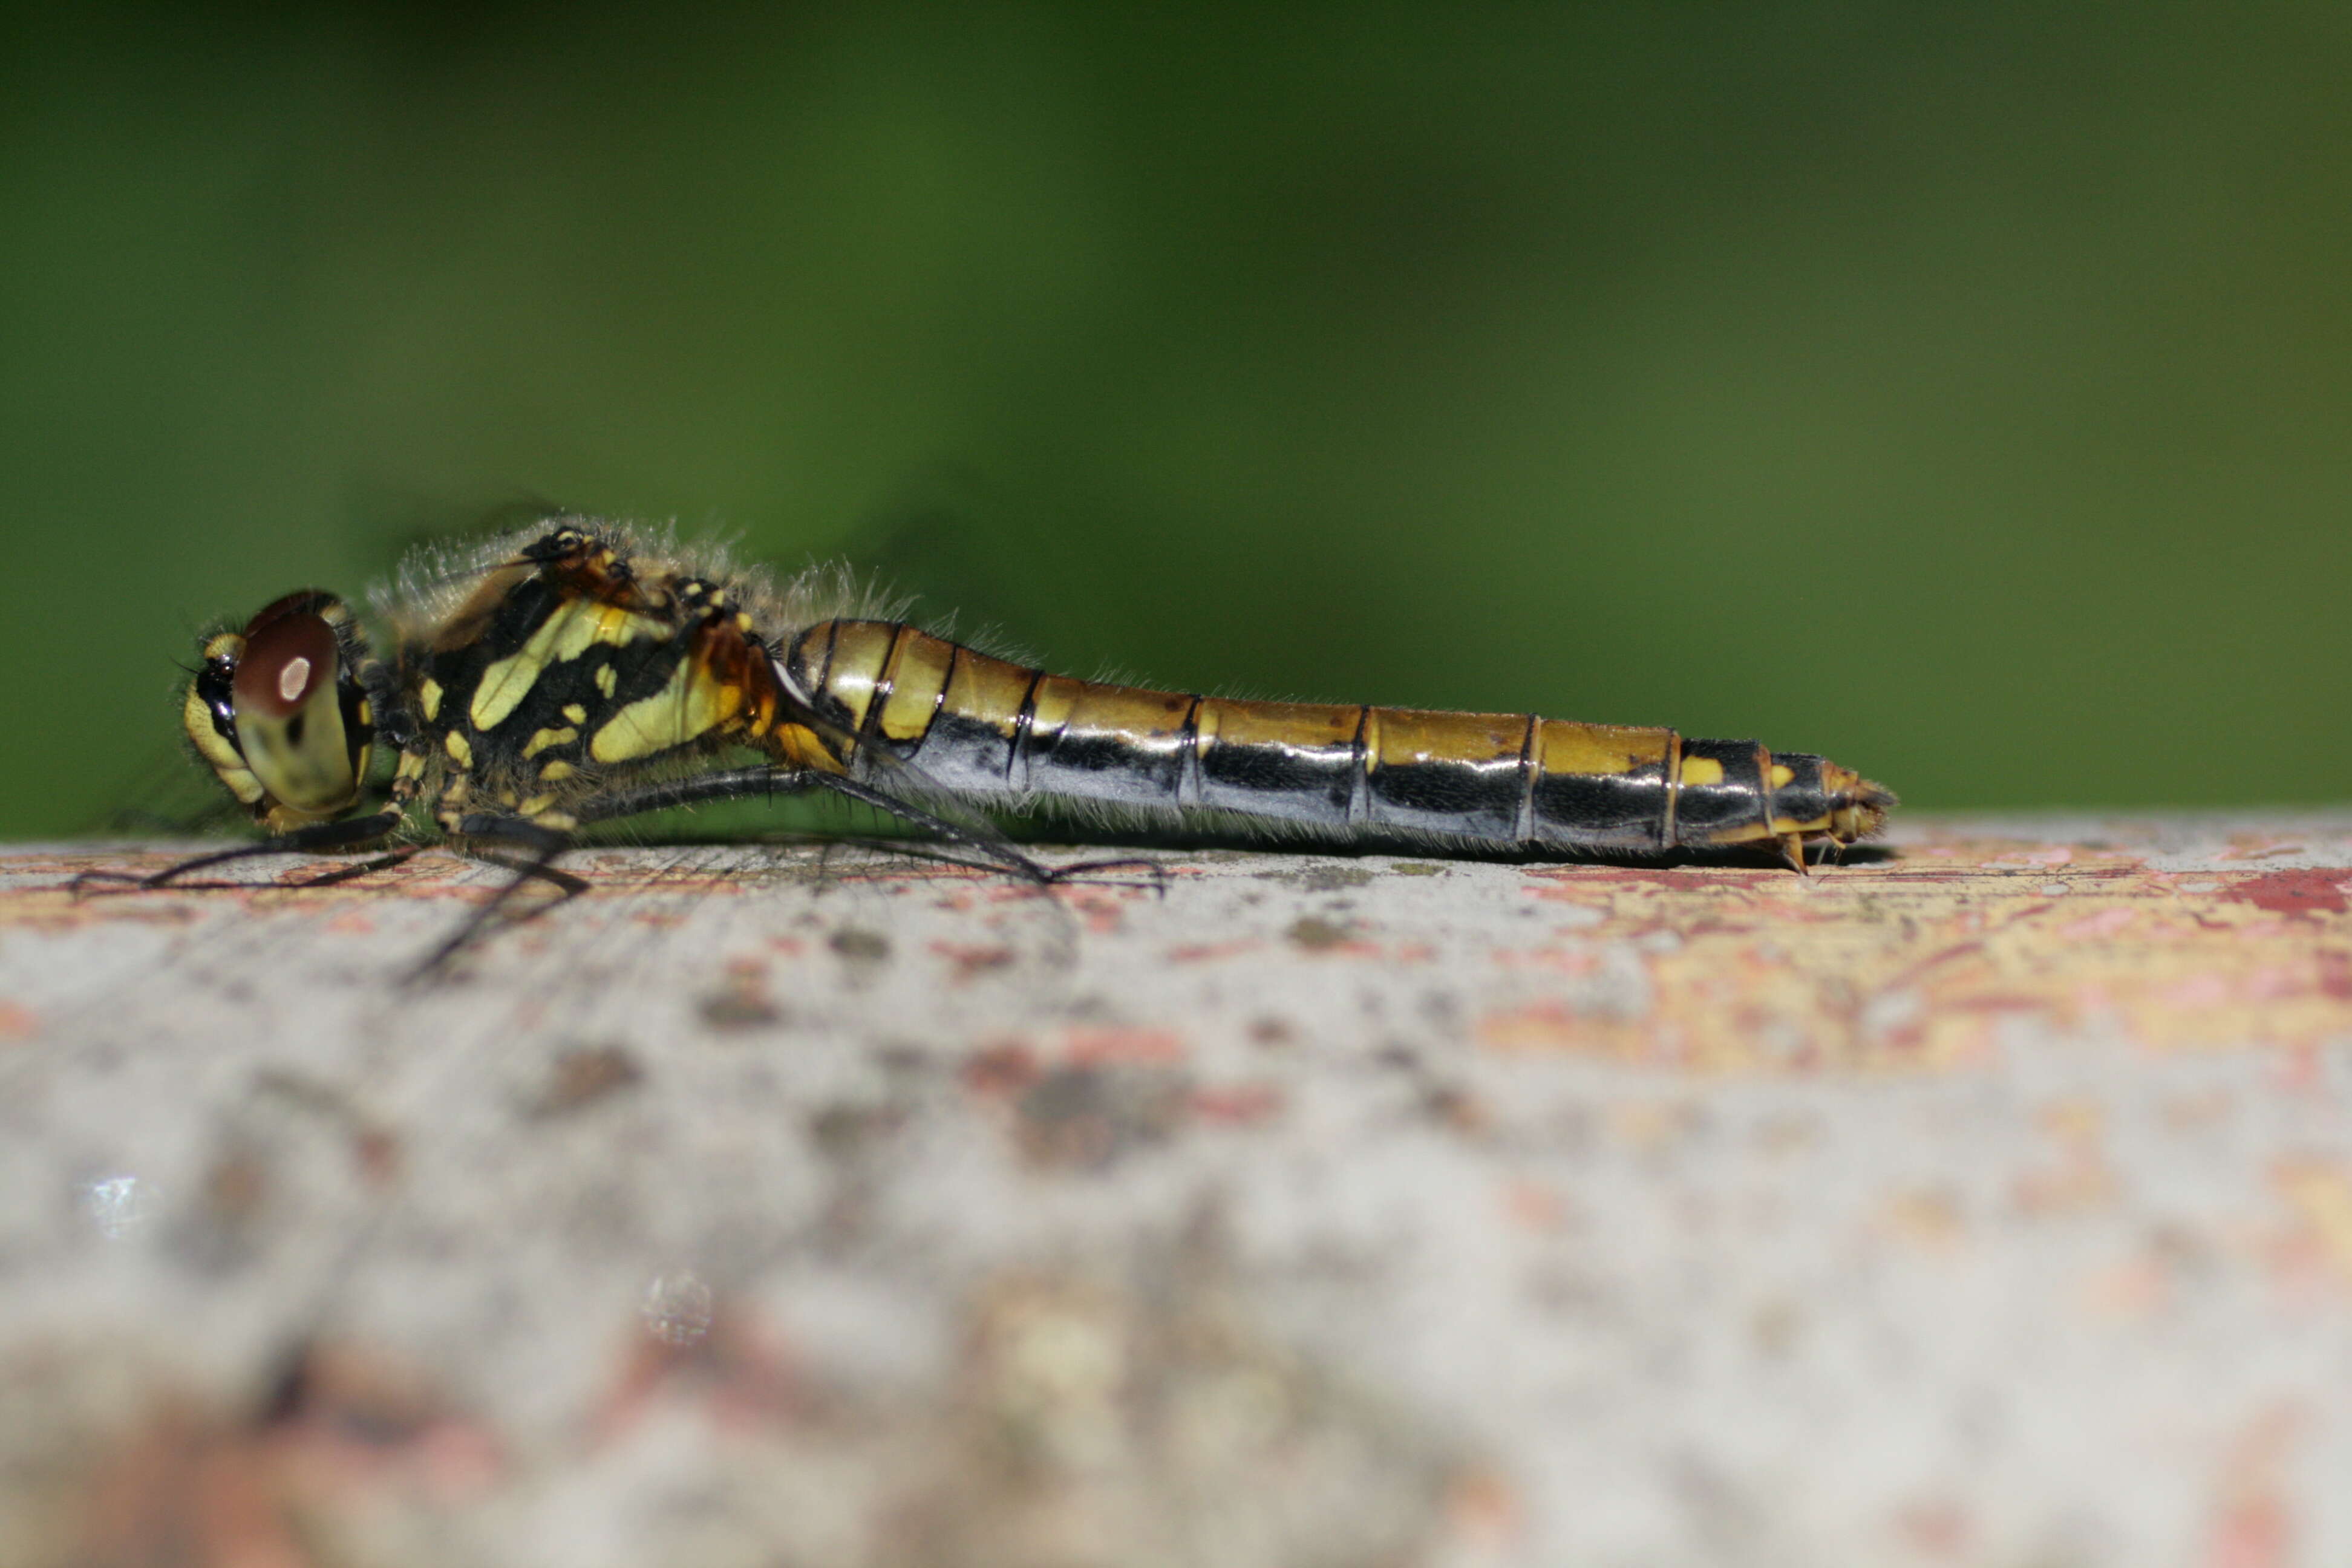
{"x": 986, "y": 726}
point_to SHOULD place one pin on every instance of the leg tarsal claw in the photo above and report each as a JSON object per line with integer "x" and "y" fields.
{"x": 1086, "y": 874}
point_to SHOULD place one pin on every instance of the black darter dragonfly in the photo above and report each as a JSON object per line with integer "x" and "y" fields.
{"x": 580, "y": 670}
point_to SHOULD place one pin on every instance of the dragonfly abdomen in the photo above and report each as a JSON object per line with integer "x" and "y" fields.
{"x": 986, "y": 726}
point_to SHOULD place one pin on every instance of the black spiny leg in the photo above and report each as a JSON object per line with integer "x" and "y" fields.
{"x": 541, "y": 845}
{"x": 742, "y": 783}
{"x": 731, "y": 783}
{"x": 320, "y": 837}
{"x": 997, "y": 849}
{"x": 359, "y": 868}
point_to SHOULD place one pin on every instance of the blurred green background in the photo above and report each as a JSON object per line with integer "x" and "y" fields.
{"x": 1961, "y": 391}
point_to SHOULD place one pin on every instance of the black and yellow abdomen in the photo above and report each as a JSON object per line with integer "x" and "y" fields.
{"x": 986, "y": 726}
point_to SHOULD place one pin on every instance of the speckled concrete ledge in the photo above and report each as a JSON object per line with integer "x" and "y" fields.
{"x": 1988, "y": 1202}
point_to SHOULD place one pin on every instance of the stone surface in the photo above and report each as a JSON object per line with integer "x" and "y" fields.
{"x": 1988, "y": 1201}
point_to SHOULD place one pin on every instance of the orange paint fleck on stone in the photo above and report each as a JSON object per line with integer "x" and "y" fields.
{"x": 1242, "y": 1105}
{"x": 974, "y": 958}
{"x": 2254, "y": 1531}
{"x": 1483, "y": 1513}
{"x": 2127, "y": 1291}
{"x": 1103, "y": 910}
{"x": 18, "y": 1022}
{"x": 1091, "y": 1047}
{"x": 2293, "y": 892}
{"x": 1936, "y": 1527}
{"x": 1004, "y": 1068}
{"x": 1536, "y": 1208}
{"x": 2253, "y": 1523}
{"x": 1205, "y": 951}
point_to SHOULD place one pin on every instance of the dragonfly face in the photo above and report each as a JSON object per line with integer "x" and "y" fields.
{"x": 278, "y": 713}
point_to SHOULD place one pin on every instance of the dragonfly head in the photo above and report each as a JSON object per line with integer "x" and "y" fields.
{"x": 277, "y": 710}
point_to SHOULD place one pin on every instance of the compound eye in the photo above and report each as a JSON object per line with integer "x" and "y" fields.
{"x": 289, "y": 656}
{"x": 289, "y": 710}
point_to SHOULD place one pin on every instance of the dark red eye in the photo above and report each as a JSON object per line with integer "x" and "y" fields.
{"x": 289, "y": 650}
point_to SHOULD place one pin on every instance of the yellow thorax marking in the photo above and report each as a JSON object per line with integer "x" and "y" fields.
{"x": 689, "y": 707}
{"x": 1702, "y": 770}
{"x": 460, "y": 750}
{"x": 572, "y": 630}
{"x": 541, "y": 740}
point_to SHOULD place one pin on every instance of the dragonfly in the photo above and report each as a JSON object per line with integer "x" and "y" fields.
{"x": 580, "y": 670}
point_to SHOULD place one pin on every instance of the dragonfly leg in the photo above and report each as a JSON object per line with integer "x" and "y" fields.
{"x": 541, "y": 845}
{"x": 979, "y": 842}
{"x": 319, "y": 837}
{"x": 1792, "y": 850}
{"x": 358, "y": 869}
{"x": 741, "y": 783}
{"x": 731, "y": 783}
